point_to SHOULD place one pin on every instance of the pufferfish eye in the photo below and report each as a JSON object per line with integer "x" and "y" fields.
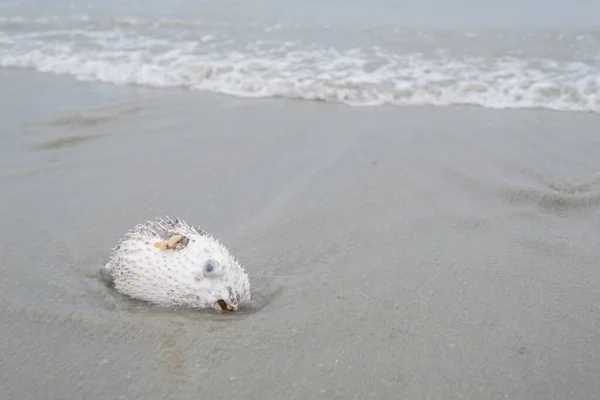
{"x": 212, "y": 267}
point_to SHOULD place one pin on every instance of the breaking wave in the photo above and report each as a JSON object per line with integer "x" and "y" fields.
{"x": 218, "y": 60}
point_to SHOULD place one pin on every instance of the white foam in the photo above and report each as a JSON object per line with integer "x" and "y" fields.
{"x": 359, "y": 76}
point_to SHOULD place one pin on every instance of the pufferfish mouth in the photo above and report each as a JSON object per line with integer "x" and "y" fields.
{"x": 223, "y": 305}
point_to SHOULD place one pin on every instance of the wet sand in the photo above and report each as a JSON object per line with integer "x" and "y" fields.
{"x": 410, "y": 253}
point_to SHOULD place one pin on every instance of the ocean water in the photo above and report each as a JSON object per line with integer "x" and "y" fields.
{"x": 511, "y": 54}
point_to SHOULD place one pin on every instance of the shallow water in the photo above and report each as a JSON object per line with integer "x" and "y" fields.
{"x": 367, "y": 54}
{"x": 411, "y": 252}
{"x": 417, "y": 248}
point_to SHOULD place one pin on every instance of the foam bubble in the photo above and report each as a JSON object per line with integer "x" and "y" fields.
{"x": 360, "y": 76}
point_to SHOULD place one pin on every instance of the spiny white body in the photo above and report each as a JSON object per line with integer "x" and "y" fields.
{"x": 198, "y": 275}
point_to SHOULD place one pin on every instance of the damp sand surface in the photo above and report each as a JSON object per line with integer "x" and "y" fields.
{"x": 394, "y": 252}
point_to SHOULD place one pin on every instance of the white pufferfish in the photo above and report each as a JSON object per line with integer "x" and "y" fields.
{"x": 168, "y": 262}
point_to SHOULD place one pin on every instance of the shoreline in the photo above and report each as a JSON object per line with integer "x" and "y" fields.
{"x": 394, "y": 252}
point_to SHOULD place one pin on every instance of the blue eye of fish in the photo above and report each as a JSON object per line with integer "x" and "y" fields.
{"x": 210, "y": 267}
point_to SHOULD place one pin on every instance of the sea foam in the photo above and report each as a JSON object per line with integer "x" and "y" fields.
{"x": 167, "y": 54}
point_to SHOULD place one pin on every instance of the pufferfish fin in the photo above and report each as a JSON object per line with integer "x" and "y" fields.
{"x": 161, "y": 245}
{"x": 176, "y": 242}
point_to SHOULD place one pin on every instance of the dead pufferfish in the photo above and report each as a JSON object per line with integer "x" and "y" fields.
{"x": 168, "y": 262}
